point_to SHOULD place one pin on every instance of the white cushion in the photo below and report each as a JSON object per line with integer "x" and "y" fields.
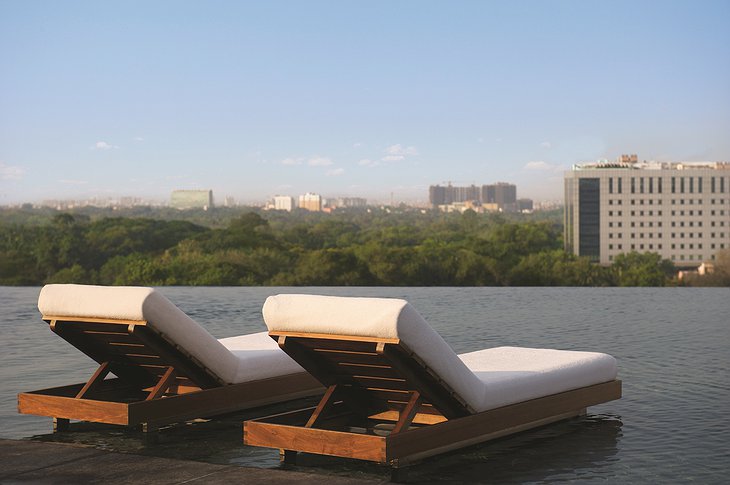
{"x": 259, "y": 357}
{"x": 485, "y": 379}
{"x": 515, "y": 374}
{"x": 378, "y": 318}
{"x": 139, "y": 303}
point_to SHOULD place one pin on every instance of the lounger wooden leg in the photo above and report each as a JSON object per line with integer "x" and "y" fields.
{"x": 399, "y": 474}
{"x": 60, "y": 424}
{"x": 288, "y": 457}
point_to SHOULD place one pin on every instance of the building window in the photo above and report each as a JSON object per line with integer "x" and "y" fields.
{"x": 610, "y": 185}
{"x": 691, "y": 185}
{"x": 659, "y": 185}
{"x": 633, "y": 185}
{"x": 619, "y": 185}
{"x": 674, "y": 185}
{"x": 641, "y": 185}
{"x": 699, "y": 185}
{"x": 681, "y": 185}
{"x": 651, "y": 185}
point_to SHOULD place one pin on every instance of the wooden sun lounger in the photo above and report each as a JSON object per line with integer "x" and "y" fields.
{"x": 157, "y": 382}
{"x": 385, "y": 404}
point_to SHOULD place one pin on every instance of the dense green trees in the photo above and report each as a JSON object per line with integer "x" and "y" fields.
{"x": 377, "y": 247}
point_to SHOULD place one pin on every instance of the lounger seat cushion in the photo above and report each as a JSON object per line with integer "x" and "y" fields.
{"x": 484, "y": 379}
{"x": 515, "y": 374}
{"x": 228, "y": 359}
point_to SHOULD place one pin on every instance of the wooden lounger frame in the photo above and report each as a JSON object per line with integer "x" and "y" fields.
{"x": 156, "y": 381}
{"x": 384, "y": 404}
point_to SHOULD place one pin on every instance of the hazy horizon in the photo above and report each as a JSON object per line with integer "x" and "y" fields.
{"x": 254, "y": 99}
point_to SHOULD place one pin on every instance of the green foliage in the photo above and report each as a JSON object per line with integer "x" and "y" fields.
{"x": 385, "y": 247}
{"x": 641, "y": 269}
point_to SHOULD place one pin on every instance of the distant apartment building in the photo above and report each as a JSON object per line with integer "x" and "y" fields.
{"x": 500, "y": 197}
{"x": 191, "y": 199}
{"x": 525, "y": 205}
{"x": 283, "y": 203}
{"x": 679, "y": 210}
{"x": 349, "y": 202}
{"x": 449, "y": 194}
{"x": 310, "y": 202}
{"x": 502, "y": 194}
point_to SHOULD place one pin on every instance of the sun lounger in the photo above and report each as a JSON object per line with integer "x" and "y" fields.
{"x": 167, "y": 367}
{"x": 397, "y": 393}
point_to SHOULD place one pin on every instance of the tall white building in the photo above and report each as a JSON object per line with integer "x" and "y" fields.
{"x": 283, "y": 203}
{"x": 679, "y": 210}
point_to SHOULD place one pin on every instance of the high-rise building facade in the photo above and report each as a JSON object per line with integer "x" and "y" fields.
{"x": 310, "y": 202}
{"x": 679, "y": 210}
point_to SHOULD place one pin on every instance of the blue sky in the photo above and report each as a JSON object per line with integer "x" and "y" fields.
{"x": 253, "y": 99}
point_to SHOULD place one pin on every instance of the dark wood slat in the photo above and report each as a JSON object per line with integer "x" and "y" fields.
{"x": 95, "y": 327}
{"x": 109, "y": 338}
{"x": 343, "y": 345}
{"x": 350, "y": 369}
{"x": 382, "y": 383}
{"x": 351, "y": 357}
{"x": 388, "y": 395}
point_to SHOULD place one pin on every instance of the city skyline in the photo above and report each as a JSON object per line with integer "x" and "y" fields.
{"x": 251, "y": 100}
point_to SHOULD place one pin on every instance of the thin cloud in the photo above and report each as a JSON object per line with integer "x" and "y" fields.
{"x": 366, "y": 162}
{"x": 399, "y": 149}
{"x": 10, "y": 172}
{"x": 546, "y": 144}
{"x": 541, "y": 166}
{"x": 73, "y": 182}
{"x": 397, "y": 153}
{"x": 335, "y": 172}
{"x": 357, "y": 144}
{"x": 319, "y": 162}
{"x": 291, "y": 161}
{"x": 138, "y": 139}
{"x": 102, "y": 145}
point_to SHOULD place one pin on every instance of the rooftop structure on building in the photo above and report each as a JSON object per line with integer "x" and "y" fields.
{"x": 680, "y": 210}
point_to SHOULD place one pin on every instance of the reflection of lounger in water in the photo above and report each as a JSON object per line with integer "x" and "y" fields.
{"x": 396, "y": 392}
{"x": 168, "y": 367}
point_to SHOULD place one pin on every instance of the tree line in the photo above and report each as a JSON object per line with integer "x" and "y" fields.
{"x": 362, "y": 248}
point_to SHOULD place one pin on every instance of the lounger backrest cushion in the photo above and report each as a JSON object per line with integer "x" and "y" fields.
{"x": 375, "y": 318}
{"x": 140, "y": 303}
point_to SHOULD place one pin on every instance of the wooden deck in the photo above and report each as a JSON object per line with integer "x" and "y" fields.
{"x": 36, "y": 462}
